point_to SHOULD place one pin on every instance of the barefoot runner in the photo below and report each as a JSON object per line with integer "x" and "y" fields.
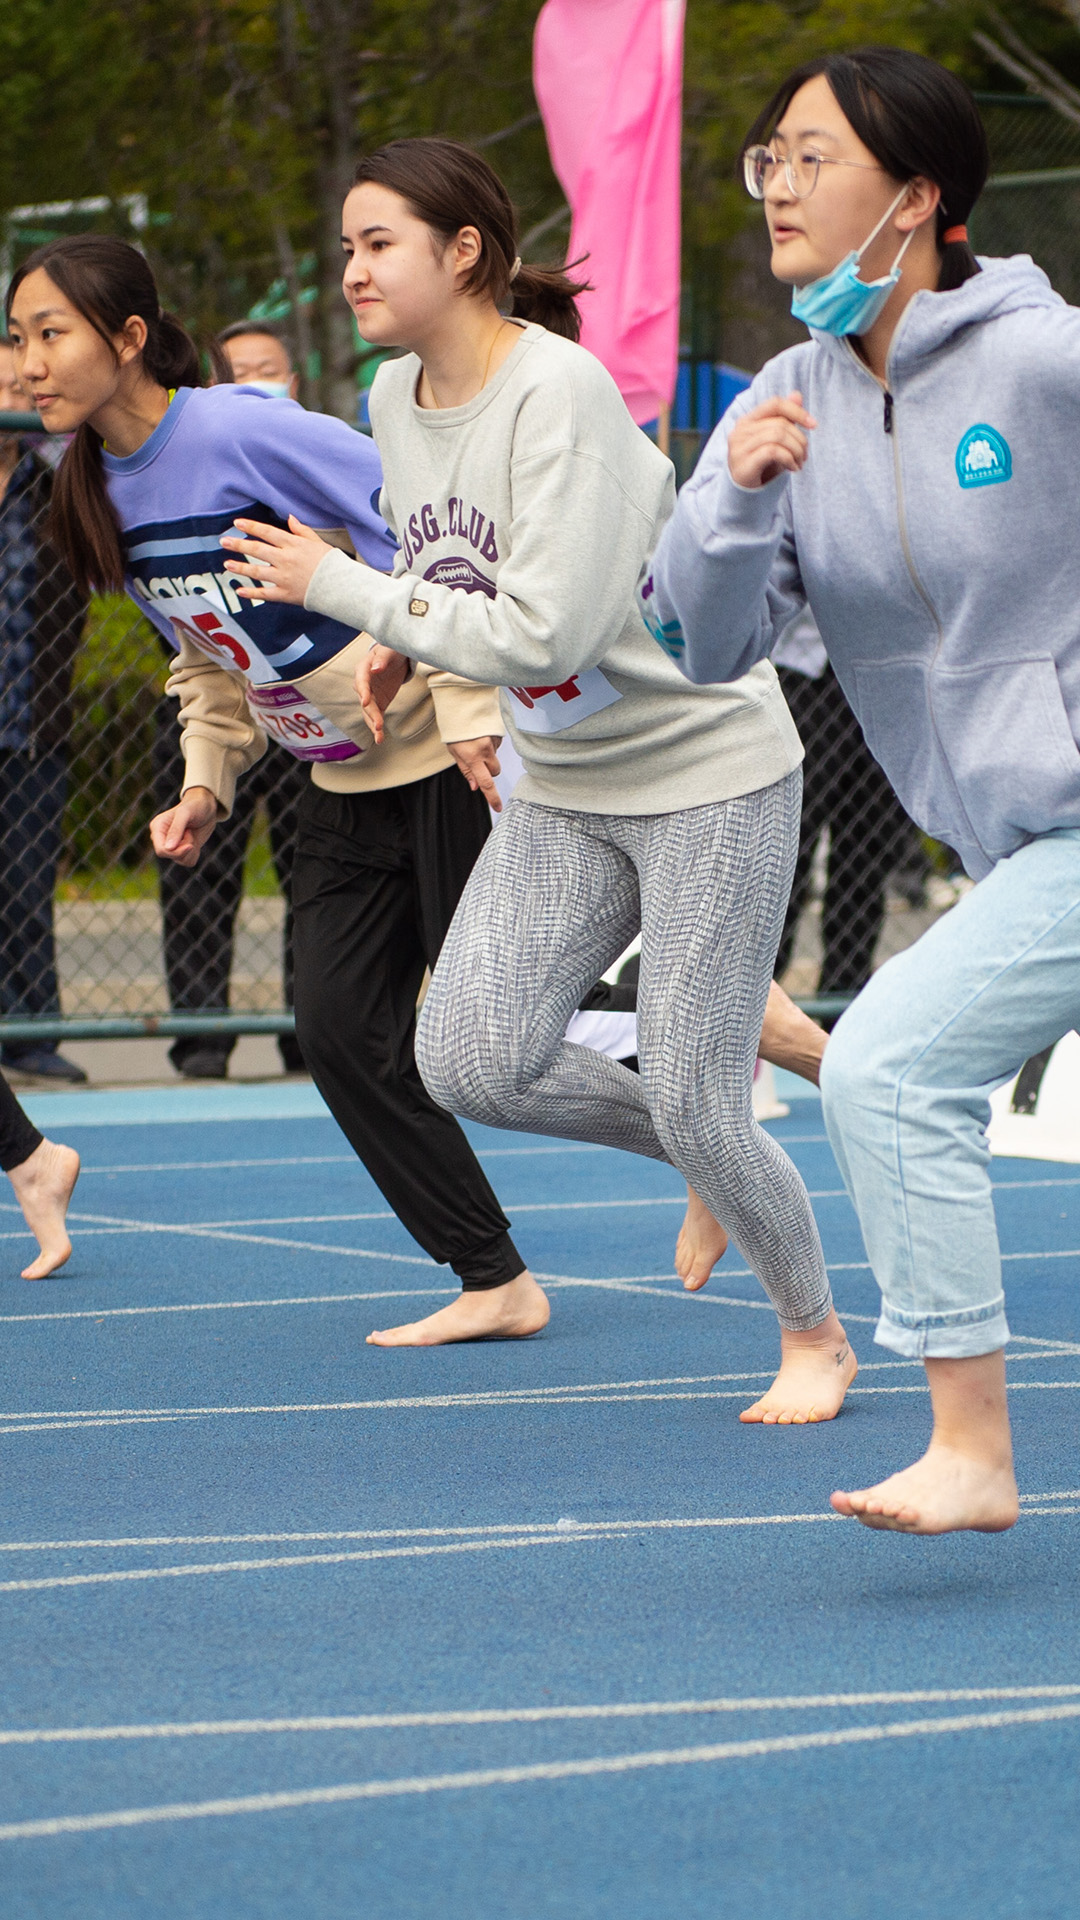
{"x": 43, "y": 1175}
{"x": 387, "y": 835}
{"x": 904, "y": 473}
{"x": 526, "y": 502}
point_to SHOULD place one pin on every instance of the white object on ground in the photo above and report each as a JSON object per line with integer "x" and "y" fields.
{"x": 766, "y": 1104}
{"x": 1052, "y": 1132}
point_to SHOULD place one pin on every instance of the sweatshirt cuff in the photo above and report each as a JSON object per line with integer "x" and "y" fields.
{"x": 348, "y": 591}
{"x": 716, "y": 500}
{"x": 208, "y": 764}
{"x": 466, "y": 712}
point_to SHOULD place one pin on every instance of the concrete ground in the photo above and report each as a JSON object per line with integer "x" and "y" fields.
{"x": 145, "y": 1063}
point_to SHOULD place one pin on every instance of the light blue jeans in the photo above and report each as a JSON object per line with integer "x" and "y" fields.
{"x": 906, "y": 1086}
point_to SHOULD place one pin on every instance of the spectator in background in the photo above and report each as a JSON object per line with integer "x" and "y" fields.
{"x": 846, "y": 791}
{"x": 200, "y": 904}
{"x": 41, "y": 622}
{"x": 258, "y": 353}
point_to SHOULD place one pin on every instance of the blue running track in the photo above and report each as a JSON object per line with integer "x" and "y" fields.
{"x": 293, "y": 1628}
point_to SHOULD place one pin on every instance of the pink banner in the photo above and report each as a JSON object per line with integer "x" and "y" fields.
{"x": 608, "y": 79}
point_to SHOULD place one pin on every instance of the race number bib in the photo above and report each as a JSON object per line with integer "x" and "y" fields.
{"x": 280, "y": 709}
{"x": 551, "y": 709}
{"x": 299, "y": 727}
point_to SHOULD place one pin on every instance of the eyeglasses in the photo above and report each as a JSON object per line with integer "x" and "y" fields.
{"x": 800, "y": 170}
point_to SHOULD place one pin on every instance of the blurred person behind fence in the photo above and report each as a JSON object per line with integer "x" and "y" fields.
{"x": 41, "y": 621}
{"x": 845, "y": 791}
{"x": 199, "y": 905}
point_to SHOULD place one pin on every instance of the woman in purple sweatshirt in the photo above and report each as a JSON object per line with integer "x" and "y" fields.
{"x": 158, "y": 468}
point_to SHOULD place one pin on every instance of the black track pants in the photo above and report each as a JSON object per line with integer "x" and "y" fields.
{"x": 18, "y": 1135}
{"x": 376, "y": 880}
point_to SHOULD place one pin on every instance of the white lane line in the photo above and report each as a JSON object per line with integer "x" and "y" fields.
{"x": 494, "y": 1399}
{"x": 41, "y": 1423}
{"x": 251, "y": 1239}
{"x": 122, "y": 1576}
{"x": 546, "y": 1770}
{"x": 1057, "y": 1253}
{"x": 321, "y": 1160}
{"x": 228, "y": 1306}
{"x": 524, "y": 1716}
{"x": 90, "y": 1224}
{"x": 580, "y": 1534}
{"x": 623, "y": 1283}
{"x": 511, "y": 1207}
{"x": 516, "y": 1527}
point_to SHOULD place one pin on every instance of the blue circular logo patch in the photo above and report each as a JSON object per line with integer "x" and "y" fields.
{"x": 983, "y": 457}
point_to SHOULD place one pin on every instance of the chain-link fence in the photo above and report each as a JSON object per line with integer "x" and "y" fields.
{"x": 1031, "y": 203}
{"x": 94, "y": 939}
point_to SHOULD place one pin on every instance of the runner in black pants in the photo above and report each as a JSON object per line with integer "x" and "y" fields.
{"x": 389, "y": 832}
{"x": 43, "y": 1175}
{"x": 376, "y": 879}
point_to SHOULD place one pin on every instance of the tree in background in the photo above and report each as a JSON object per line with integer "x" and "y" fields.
{"x": 241, "y": 119}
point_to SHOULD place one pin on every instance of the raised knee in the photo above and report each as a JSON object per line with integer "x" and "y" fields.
{"x": 857, "y": 1069}
{"x": 454, "y": 1065}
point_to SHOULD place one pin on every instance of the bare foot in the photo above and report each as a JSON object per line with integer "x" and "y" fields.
{"x": 816, "y": 1370}
{"x": 789, "y": 1038}
{"x": 43, "y": 1187}
{"x": 701, "y": 1243}
{"x": 511, "y": 1312}
{"x": 944, "y": 1492}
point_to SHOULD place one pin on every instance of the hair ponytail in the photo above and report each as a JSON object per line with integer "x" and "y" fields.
{"x": 108, "y": 282}
{"x": 548, "y": 296}
{"x": 958, "y": 262}
{"x": 448, "y": 186}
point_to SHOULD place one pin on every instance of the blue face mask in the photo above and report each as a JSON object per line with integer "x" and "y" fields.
{"x": 273, "y": 389}
{"x": 842, "y": 303}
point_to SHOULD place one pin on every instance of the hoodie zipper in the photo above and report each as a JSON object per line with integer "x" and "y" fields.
{"x": 901, "y": 515}
{"x": 890, "y": 426}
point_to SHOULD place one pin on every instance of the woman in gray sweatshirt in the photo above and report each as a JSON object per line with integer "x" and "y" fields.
{"x": 904, "y": 474}
{"x": 526, "y": 503}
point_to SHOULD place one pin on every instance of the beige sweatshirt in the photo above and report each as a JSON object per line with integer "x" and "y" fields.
{"x": 222, "y": 738}
{"x": 526, "y": 518}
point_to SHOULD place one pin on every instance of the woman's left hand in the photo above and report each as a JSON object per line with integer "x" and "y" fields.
{"x": 279, "y": 564}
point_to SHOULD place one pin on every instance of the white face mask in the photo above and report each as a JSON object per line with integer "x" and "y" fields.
{"x": 273, "y": 389}
{"x": 842, "y": 303}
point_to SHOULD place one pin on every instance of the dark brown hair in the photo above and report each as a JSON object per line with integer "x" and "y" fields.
{"x": 917, "y": 118}
{"x": 107, "y": 281}
{"x": 448, "y": 186}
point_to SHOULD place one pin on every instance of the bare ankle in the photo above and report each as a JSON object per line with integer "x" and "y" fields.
{"x": 827, "y": 1333}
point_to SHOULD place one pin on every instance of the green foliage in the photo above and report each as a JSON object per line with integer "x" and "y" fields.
{"x": 119, "y": 677}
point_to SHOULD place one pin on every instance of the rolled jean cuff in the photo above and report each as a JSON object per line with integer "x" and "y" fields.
{"x": 944, "y": 1336}
{"x": 490, "y": 1266}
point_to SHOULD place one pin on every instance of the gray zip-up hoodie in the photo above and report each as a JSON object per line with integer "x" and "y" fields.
{"x": 930, "y": 533}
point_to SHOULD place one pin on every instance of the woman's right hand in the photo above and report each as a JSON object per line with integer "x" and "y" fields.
{"x": 182, "y": 832}
{"x": 380, "y": 675}
{"x": 769, "y": 440}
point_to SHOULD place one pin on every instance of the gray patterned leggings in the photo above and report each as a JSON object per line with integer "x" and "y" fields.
{"x": 553, "y": 900}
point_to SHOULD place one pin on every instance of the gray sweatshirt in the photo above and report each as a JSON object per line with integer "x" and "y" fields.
{"x": 930, "y": 533}
{"x": 525, "y": 520}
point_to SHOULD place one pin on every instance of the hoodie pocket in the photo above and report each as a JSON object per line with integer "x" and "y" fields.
{"x": 891, "y": 700}
{"x": 1005, "y": 730}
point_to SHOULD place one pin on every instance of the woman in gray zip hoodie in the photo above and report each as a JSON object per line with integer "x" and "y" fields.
{"x": 903, "y": 473}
